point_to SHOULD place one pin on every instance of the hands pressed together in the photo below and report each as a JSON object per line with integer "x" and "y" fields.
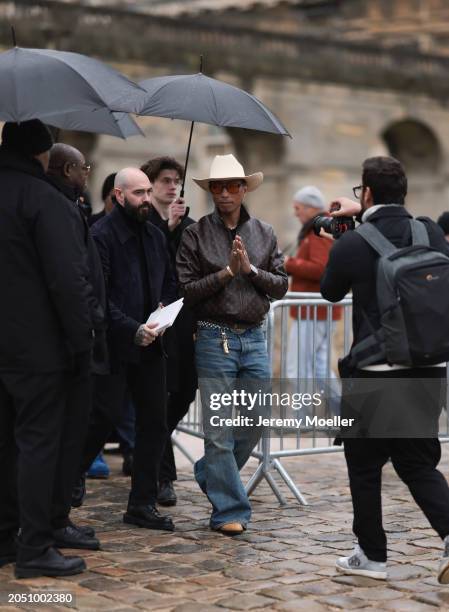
{"x": 239, "y": 261}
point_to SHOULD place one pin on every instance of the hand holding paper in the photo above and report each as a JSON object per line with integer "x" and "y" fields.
{"x": 165, "y": 317}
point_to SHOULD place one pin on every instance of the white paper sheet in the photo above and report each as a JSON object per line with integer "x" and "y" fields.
{"x": 165, "y": 317}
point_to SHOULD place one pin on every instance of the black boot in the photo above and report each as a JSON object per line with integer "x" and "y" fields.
{"x": 79, "y": 492}
{"x": 84, "y": 529}
{"x": 149, "y": 517}
{"x": 50, "y": 563}
{"x": 70, "y": 537}
{"x": 166, "y": 495}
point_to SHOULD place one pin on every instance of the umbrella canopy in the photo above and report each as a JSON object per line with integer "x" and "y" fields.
{"x": 38, "y": 83}
{"x": 101, "y": 121}
{"x": 196, "y": 97}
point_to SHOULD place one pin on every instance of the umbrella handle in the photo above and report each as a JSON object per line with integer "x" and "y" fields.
{"x": 185, "y": 167}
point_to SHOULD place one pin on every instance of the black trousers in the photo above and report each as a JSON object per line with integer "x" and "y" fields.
{"x": 32, "y": 412}
{"x": 146, "y": 384}
{"x": 182, "y": 383}
{"x": 415, "y": 462}
{"x": 73, "y": 440}
{"x": 414, "y": 459}
{"x": 177, "y": 407}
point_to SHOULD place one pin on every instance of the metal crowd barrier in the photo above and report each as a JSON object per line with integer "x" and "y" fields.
{"x": 280, "y": 442}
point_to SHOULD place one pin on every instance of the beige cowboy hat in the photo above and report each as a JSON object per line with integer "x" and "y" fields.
{"x": 226, "y": 167}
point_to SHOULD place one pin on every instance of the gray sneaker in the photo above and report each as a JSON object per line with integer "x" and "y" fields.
{"x": 443, "y": 568}
{"x": 358, "y": 564}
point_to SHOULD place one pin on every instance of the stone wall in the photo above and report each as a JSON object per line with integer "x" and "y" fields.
{"x": 349, "y": 80}
{"x": 334, "y": 129}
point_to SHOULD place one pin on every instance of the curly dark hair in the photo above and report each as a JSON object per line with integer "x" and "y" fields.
{"x": 153, "y": 167}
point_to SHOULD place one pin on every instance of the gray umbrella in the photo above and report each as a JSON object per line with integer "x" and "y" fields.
{"x": 196, "y": 97}
{"x": 101, "y": 121}
{"x": 38, "y": 83}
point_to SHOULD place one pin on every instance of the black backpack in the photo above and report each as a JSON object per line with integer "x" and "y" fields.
{"x": 412, "y": 288}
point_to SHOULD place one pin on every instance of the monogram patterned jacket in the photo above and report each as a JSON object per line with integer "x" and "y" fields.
{"x": 204, "y": 251}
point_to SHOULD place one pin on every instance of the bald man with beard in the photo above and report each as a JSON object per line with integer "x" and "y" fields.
{"x": 138, "y": 277}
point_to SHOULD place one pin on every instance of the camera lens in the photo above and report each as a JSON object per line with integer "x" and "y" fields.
{"x": 326, "y": 223}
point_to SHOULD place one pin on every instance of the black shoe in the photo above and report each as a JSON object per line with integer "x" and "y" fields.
{"x": 84, "y": 529}
{"x": 51, "y": 563}
{"x": 69, "y": 537}
{"x": 79, "y": 492}
{"x": 127, "y": 466}
{"x": 166, "y": 495}
{"x": 8, "y": 553}
{"x": 149, "y": 517}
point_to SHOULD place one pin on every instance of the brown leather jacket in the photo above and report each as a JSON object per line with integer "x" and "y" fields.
{"x": 204, "y": 251}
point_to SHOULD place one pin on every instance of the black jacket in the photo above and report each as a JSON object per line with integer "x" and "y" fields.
{"x": 352, "y": 265}
{"x": 118, "y": 247}
{"x": 95, "y": 279}
{"x": 44, "y": 307}
{"x": 95, "y": 217}
{"x": 178, "y": 340}
{"x": 174, "y": 237}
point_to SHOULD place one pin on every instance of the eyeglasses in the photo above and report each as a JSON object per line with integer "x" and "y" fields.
{"x": 232, "y": 187}
{"x": 85, "y": 167}
{"x": 357, "y": 191}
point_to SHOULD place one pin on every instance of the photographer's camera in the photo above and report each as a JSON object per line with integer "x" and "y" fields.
{"x": 333, "y": 225}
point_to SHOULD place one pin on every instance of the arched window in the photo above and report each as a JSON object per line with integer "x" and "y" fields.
{"x": 415, "y": 145}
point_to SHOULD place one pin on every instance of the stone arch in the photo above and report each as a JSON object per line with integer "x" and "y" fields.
{"x": 418, "y": 147}
{"x": 415, "y": 144}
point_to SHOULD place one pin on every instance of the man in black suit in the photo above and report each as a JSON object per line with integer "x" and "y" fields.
{"x": 138, "y": 279}
{"x": 46, "y": 339}
{"x": 352, "y": 266}
{"x": 68, "y": 173}
{"x": 168, "y": 213}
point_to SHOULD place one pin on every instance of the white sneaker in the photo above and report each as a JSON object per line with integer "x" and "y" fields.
{"x": 443, "y": 568}
{"x": 358, "y": 564}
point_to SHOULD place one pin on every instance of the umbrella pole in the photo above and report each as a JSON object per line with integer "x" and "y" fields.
{"x": 188, "y": 151}
{"x": 186, "y": 164}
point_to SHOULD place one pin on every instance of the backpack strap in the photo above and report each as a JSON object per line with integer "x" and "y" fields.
{"x": 420, "y": 235}
{"x": 376, "y": 239}
{"x": 368, "y": 351}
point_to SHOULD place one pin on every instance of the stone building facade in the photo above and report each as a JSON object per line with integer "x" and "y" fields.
{"x": 349, "y": 79}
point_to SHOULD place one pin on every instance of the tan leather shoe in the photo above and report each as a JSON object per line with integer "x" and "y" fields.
{"x": 231, "y": 528}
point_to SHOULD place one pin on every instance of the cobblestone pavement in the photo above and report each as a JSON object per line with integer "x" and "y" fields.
{"x": 285, "y": 561}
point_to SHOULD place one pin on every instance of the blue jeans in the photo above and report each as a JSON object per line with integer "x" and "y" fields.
{"x": 228, "y": 447}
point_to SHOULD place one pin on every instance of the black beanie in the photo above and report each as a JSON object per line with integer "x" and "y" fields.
{"x": 28, "y": 138}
